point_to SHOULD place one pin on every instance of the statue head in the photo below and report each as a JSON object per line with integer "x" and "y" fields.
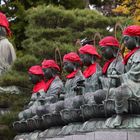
{"x": 88, "y": 54}
{"x": 3, "y": 31}
{"x": 35, "y": 74}
{"x": 131, "y": 37}
{"x": 71, "y": 62}
{"x": 4, "y": 25}
{"x": 50, "y": 69}
{"x": 109, "y": 47}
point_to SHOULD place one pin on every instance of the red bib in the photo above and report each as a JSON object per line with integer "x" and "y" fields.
{"x": 40, "y": 85}
{"x": 128, "y": 55}
{"x": 71, "y": 75}
{"x": 106, "y": 65}
{"x": 90, "y": 70}
{"x": 48, "y": 83}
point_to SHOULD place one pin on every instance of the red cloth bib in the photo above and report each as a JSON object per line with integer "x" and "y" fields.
{"x": 106, "y": 65}
{"x": 40, "y": 85}
{"x": 48, "y": 83}
{"x": 128, "y": 55}
{"x": 71, "y": 75}
{"x": 90, "y": 70}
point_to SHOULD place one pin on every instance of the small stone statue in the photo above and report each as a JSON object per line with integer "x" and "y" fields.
{"x": 110, "y": 51}
{"x": 46, "y": 92}
{"x": 130, "y": 80}
{"x": 89, "y": 56}
{"x": 54, "y": 86}
{"x": 73, "y": 90}
{"x": 36, "y": 76}
{"x": 95, "y": 100}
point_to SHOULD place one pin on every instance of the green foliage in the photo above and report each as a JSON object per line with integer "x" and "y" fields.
{"x": 25, "y": 62}
{"x": 15, "y": 78}
{"x": 15, "y": 104}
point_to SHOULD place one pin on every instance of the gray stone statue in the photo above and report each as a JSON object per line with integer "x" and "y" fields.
{"x": 42, "y": 98}
{"x": 7, "y": 52}
{"x": 73, "y": 90}
{"x": 110, "y": 51}
{"x": 93, "y": 71}
{"x": 130, "y": 80}
{"x": 96, "y": 99}
{"x": 36, "y": 77}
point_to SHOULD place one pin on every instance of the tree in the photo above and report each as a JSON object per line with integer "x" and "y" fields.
{"x": 129, "y": 8}
{"x": 104, "y": 6}
{"x": 15, "y": 10}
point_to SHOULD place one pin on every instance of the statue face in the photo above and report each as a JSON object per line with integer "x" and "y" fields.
{"x": 68, "y": 66}
{"x": 47, "y": 73}
{"x": 107, "y": 52}
{"x": 3, "y": 31}
{"x": 86, "y": 59}
{"x": 34, "y": 78}
{"x": 129, "y": 42}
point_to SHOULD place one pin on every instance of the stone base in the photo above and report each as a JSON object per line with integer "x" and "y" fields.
{"x": 97, "y": 135}
{"x": 94, "y": 129}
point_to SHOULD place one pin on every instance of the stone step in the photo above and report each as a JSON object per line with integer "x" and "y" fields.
{"x": 97, "y": 135}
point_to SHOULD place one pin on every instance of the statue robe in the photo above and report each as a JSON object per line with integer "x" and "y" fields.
{"x": 7, "y": 54}
{"x": 92, "y": 82}
{"x": 130, "y": 87}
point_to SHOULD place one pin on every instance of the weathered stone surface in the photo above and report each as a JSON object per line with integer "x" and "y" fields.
{"x": 90, "y": 136}
{"x": 133, "y": 135}
{"x": 90, "y": 130}
{"x": 79, "y": 137}
{"x": 109, "y": 135}
{"x": 10, "y": 90}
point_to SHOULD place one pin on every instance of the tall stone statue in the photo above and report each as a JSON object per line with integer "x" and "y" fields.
{"x": 130, "y": 80}
{"x": 7, "y": 52}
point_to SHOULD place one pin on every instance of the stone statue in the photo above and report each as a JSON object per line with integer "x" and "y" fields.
{"x": 110, "y": 51}
{"x": 54, "y": 85}
{"x": 130, "y": 80}
{"x": 31, "y": 118}
{"x": 89, "y": 56}
{"x": 96, "y": 100}
{"x": 36, "y": 76}
{"x": 7, "y": 52}
{"x": 73, "y": 90}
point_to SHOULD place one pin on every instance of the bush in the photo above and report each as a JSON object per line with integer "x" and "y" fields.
{"x": 22, "y": 64}
{"x": 15, "y": 78}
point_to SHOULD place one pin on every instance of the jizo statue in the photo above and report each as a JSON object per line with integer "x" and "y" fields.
{"x": 7, "y": 52}
{"x": 130, "y": 82}
{"x": 36, "y": 76}
{"x": 113, "y": 64}
{"x": 92, "y": 72}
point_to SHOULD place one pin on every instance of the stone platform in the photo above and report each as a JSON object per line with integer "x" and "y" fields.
{"x": 97, "y": 135}
{"x": 94, "y": 129}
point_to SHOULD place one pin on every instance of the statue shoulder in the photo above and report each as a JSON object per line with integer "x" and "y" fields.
{"x": 98, "y": 68}
{"x": 136, "y": 57}
{"x": 57, "y": 82}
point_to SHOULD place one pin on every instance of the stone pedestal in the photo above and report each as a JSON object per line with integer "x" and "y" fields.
{"x": 94, "y": 129}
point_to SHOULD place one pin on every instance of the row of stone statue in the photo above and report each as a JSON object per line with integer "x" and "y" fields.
{"x": 95, "y": 92}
